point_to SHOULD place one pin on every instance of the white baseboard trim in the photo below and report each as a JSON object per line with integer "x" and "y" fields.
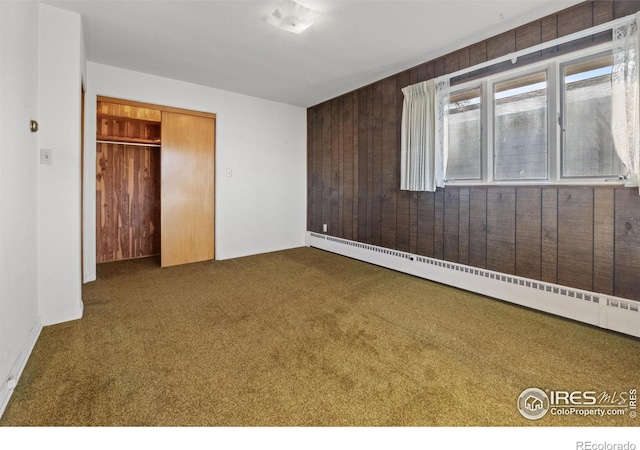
{"x": 604, "y": 311}
{"x": 65, "y": 316}
{"x": 10, "y": 381}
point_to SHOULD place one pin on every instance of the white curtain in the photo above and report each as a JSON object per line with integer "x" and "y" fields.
{"x": 625, "y": 95}
{"x": 423, "y": 157}
{"x": 442, "y": 131}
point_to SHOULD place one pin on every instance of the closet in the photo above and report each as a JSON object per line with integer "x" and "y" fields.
{"x": 155, "y": 182}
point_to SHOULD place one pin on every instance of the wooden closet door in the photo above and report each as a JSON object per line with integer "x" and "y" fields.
{"x": 187, "y": 196}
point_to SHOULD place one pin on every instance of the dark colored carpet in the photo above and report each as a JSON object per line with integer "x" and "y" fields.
{"x": 304, "y": 337}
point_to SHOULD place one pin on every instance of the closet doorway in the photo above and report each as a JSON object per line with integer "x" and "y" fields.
{"x": 155, "y": 181}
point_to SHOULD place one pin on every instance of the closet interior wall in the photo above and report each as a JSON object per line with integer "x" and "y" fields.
{"x": 127, "y": 182}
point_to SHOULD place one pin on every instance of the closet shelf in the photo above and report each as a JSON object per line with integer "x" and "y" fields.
{"x": 128, "y": 119}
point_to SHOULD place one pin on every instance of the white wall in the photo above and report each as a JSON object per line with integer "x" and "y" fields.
{"x": 59, "y": 111}
{"x": 262, "y": 207}
{"x": 19, "y": 322}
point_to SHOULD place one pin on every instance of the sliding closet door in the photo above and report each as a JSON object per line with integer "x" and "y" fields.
{"x": 187, "y": 194}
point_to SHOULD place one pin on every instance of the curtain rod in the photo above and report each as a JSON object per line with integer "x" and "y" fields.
{"x": 513, "y": 57}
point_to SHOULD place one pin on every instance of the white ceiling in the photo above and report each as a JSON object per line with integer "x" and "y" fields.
{"x": 228, "y": 45}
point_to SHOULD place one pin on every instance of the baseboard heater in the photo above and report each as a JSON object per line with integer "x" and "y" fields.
{"x": 604, "y": 311}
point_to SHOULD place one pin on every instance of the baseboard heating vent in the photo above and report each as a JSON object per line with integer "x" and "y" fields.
{"x": 371, "y": 248}
{"x": 539, "y": 285}
{"x": 631, "y": 306}
{"x": 614, "y": 313}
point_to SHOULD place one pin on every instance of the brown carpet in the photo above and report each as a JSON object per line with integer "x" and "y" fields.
{"x": 304, "y": 337}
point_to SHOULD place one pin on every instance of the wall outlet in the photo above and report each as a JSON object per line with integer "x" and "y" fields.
{"x": 324, "y": 228}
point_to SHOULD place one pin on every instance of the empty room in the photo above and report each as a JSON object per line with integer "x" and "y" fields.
{"x": 320, "y": 214}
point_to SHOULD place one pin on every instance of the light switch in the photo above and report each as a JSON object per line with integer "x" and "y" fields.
{"x": 229, "y": 173}
{"x": 46, "y": 156}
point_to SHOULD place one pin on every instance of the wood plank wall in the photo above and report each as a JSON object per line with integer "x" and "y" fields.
{"x": 128, "y": 200}
{"x": 582, "y": 237}
{"x": 127, "y": 182}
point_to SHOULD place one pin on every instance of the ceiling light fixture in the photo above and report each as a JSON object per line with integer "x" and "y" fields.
{"x": 293, "y": 17}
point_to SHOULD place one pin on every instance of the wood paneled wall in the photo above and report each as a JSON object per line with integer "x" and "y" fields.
{"x": 127, "y": 181}
{"x": 128, "y": 199}
{"x": 583, "y": 237}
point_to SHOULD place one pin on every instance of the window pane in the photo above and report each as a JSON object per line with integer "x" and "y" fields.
{"x": 464, "y": 136}
{"x": 520, "y": 128}
{"x": 587, "y": 143}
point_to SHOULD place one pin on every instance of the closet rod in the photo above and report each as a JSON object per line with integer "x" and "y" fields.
{"x": 127, "y": 143}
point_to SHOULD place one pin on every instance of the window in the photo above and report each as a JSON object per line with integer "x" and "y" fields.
{"x": 587, "y": 144}
{"x": 465, "y": 134}
{"x": 550, "y": 122}
{"x": 520, "y": 128}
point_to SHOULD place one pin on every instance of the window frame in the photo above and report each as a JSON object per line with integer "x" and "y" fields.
{"x": 452, "y": 93}
{"x": 555, "y": 92}
{"x": 515, "y": 75}
{"x": 562, "y": 116}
